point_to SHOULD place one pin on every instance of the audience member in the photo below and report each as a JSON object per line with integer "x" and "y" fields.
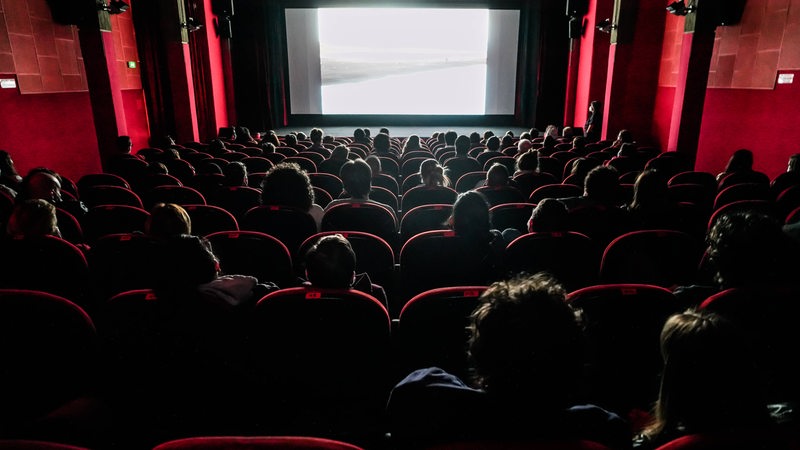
{"x": 316, "y": 143}
{"x": 498, "y": 189}
{"x": 235, "y": 173}
{"x": 286, "y": 184}
{"x": 412, "y": 144}
{"x": 45, "y": 184}
{"x": 33, "y": 218}
{"x": 527, "y": 352}
{"x": 333, "y": 165}
{"x": 594, "y": 122}
{"x": 382, "y": 145}
{"x": 549, "y": 215}
{"x": 356, "y": 176}
{"x": 331, "y": 264}
{"x": 651, "y": 208}
{"x": 8, "y": 172}
{"x": 167, "y": 221}
{"x": 244, "y": 137}
{"x": 461, "y": 163}
{"x": 710, "y": 383}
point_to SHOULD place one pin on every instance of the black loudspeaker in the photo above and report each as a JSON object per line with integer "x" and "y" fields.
{"x": 222, "y": 7}
{"x": 69, "y": 12}
{"x": 575, "y": 27}
{"x": 729, "y": 12}
{"x": 577, "y": 8}
{"x": 224, "y": 27}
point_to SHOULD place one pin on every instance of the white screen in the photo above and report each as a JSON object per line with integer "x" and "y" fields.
{"x": 402, "y": 61}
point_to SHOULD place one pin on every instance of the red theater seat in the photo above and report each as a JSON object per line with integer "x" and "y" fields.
{"x": 248, "y": 443}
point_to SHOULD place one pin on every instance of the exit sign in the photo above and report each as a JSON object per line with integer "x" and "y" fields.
{"x": 131, "y": 64}
{"x": 786, "y": 78}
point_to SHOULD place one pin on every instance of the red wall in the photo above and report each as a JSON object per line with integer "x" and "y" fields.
{"x": 217, "y": 72}
{"x": 765, "y": 122}
{"x": 662, "y": 115}
{"x": 52, "y": 130}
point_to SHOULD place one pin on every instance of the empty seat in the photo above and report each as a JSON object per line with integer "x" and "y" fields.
{"x": 332, "y": 184}
{"x": 742, "y": 191}
{"x": 424, "y": 218}
{"x": 20, "y": 444}
{"x": 660, "y": 257}
{"x": 470, "y": 181}
{"x": 69, "y": 227}
{"x": 555, "y": 191}
{"x": 48, "y": 264}
{"x": 112, "y": 219}
{"x": 304, "y": 163}
{"x": 499, "y": 195}
{"x": 97, "y": 195}
{"x": 745, "y": 176}
{"x": 366, "y": 217}
{"x": 256, "y": 164}
{"x": 49, "y": 347}
{"x": 322, "y": 356}
{"x": 101, "y": 179}
{"x": 121, "y": 262}
{"x": 207, "y": 219}
{"x": 695, "y": 177}
{"x": 253, "y": 253}
{"x": 237, "y": 200}
{"x": 424, "y": 195}
{"x": 180, "y": 195}
{"x": 432, "y": 329}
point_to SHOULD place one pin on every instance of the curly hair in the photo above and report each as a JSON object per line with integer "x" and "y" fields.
{"x": 286, "y": 184}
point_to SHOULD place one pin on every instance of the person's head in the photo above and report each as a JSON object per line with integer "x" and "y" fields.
{"x": 602, "y": 185}
{"x": 462, "y": 145}
{"x": 216, "y": 147}
{"x": 157, "y": 168}
{"x": 471, "y": 217}
{"x": 750, "y": 249}
{"x": 340, "y": 153}
{"x": 367, "y": 133}
{"x": 475, "y": 139}
{"x": 381, "y": 143}
{"x": 549, "y": 142}
{"x": 525, "y": 135}
{"x": 507, "y": 141}
{"x": 243, "y": 134}
{"x": 124, "y": 145}
{"x": 301, "y": 136}
{"x": 290, "y": 140}
{"x": 528, "y": 161}
{"x": 549, "y": 215}
{"x": 7, "y": 164}
{"x": 206, "y": 167}
{"x": 524, "y": 145}
{"x": 450, "y": 138}
{"x": 33, "y": 218}
{"x": 285, "y": 184}
{"x": 741, "y": 160}
{"x": 316, "y": 136}
{"x": 384, "y": 130}
{"x": 235, "y": 173}
{"x": 268, "y": 147}
{"x": 567, "y": 132}
{"x": 272, "y": 138}
{"x": 412, "y": 143}
{"x": 551, "y": 131}
{"x": 331, "y": 263}
{"x": 793, "y": 166}
{"x": 624, "y": 136}
{"x": 493, "y": 144}
{"x": 432, "y": 174}
{"x": 709, "y": 381}
{"x": 227, "y": 133}
{"x": 168, "y": 220}
{"x": 356, "y": 176}
{"x": 359, "y": 135}
{"x": 497, "y": 175}
{"x": 188, "y": 261}
{"x": 649, "y": 191}
{"x": 41, "y": 183}
{"x": 595, "y": 106}
{"x": 328, "y": 139}
{"x": 578, "y": 143}
{"x": 525, "y": 341}
{"x": 374, "y": 164}
{"x": 487, "y": 134}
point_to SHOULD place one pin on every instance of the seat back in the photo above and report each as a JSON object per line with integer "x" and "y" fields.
{"x": 97, "y": 195}
{"x": 289, "y": 225}
{"x": 573, "y": 258}
{"x": 499, "y": 195}
{"x": 366, "y": 217}
{"x": 180, "y": 195}
{"x": 207, "y": 219}
{"x": 323, "y": 356}
{"x": 665, "y": 258}
{"x": 112, "y": 219}
{"x": 568, "y": 444}
{"x": 512, "y": 215}
{"x": 422, "y": 195}
{"x": 254, "y": 443}
{"x": 374, "y": 255}
{"x": 470, "y": 181}
{"x": 623, "y": 327}
{"x": 48, "y": 264}
{"x": 101, "y": 179}
{"x": 424, "y": 218}
{"x": 49, "y": 350}
{"x": 237, "y": 200}
{"x": 742, "y": 191}
{"x": 432, "y": 329}
{"x": 332, "y": 184}
{"x": 253, "y": 253}
{"x": 555, "y": 191}
{"x": 121, "y": 262}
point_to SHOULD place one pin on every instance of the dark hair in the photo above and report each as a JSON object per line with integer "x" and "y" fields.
{"x": 602, "y": 184}
{"x": 187, "y": 261}
{"x": 528, "y": 161}
{"x": 462, "y": 145}
{"x": 286, "y": 184}
{"x": 374, "y": 164}
{"x": 33, "y": 218}
{"x": 649, "y": 191}
{"x": 340, "y": 153}
{"x": 493, "y": 143}
{"x": 450, "y": 137}
{"x": 749, "y": 249}
{"x": 235, "y": 174}
{"x": 741, "y": 160}
{"x": 356, "y": 176}
{"x": 471, "y": 217}
{"x": 474, "y": 138}
{"x": 168, "y": 220}
{"x": 316, "y": 135}
{"x": 432, "y": 174}
{"x": 549, "y": 215}
{"x": 381, "y": 143}
{"x": 216, "y": 147}
{"x": 331, "y": 262}
{"x": 7, "y": 164}
{"x": 124, "y": 144}
{"x": 525, "y": 340}
{"x": 709, "y": 382}
{"x": 507, "y": 141}
{"x": 497, "y": 175}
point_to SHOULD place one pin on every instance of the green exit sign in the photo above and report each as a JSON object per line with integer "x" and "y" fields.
{"x": 131, "y": 64}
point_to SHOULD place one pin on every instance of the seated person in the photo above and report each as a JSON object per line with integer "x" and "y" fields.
{"x": 527, "y": 354}
{"x": 549, "y": 215}
{"x": 45, "y": 184}
{"x": 331, "y": 264}
{"x": 287, "y": 185}
{"x": 356, "y": 176}
{"x": 498, "y": 189}
{"x": 167, "y": 221}
{"x": 333, "y": 165}
{"x": 33, "y": 218}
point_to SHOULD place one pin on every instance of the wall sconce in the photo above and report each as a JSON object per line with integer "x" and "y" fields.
{"x": 606, "y": 26}
{"x": 113, "y": 7}
{"x": 191, "y": 24}
{"x": 679, "y": 8}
